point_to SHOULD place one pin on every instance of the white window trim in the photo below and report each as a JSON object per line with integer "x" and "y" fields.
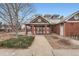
{"x": 39, "y": 20}
{"x": 76, "y": 17}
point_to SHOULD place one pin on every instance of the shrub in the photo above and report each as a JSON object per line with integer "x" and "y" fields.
{"x": 21, "y": 42}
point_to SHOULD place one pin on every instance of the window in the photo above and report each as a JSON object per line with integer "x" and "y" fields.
{"x": 39, "y": 20}
{"x": 76, "y": 17}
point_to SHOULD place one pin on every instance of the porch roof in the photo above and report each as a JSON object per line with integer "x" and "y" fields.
{"x": 37, "y": 24}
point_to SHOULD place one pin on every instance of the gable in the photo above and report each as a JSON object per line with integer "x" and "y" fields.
{"x": 39, "y": 19}
{"x": 73, "y": 17}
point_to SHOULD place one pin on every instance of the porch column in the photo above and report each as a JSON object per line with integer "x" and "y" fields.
{"x": 45, "y": 29}
{"x": 26, "y": 28}
{"x": 42, "y": 30}
{"x": 32, "y": 29}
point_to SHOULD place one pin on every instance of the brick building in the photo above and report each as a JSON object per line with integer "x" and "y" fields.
{"x": 40, "y": 24}
{"x": 48, "y": 24}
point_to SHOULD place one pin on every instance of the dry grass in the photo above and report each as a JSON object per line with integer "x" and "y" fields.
{"x": 5, "y": 36}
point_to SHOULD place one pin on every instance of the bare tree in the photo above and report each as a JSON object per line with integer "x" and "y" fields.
{"x": 14, "y": 13}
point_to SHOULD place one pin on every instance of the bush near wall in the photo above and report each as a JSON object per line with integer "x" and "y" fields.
{"x": 21, "y": 42}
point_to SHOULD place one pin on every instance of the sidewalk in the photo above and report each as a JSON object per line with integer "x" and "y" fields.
{"x": 66, "y": 52}
{"x": 15, "y": 52}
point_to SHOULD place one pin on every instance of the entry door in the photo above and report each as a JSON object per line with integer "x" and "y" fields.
{"x": 39, "y": 30}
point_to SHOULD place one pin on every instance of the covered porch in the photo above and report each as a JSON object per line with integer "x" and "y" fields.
{"x": 38, "y": 29}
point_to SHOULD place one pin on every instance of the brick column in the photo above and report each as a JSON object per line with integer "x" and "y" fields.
{"x": 32, "y": 29}
{"x": 42, "y": 30}
{"x": 50, "y": 29}
{"x": 45, "y": 29}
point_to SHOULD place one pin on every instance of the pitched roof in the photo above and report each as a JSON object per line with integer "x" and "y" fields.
{"x": 50, "y": 20}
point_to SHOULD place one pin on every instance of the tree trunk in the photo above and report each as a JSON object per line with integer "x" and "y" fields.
{"x": 16, "y": 33}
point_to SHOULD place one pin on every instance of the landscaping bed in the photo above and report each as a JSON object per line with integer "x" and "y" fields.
{"x": 20, "y": 42}
{"x": 59, "y": 43}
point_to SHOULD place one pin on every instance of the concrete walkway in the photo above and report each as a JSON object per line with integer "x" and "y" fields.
{"x": 41, "y": 47}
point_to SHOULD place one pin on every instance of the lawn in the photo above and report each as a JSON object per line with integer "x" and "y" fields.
{"x": 21, "y": 42}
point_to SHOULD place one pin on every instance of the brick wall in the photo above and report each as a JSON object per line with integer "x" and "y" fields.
{"x": 71, "y": 29}
{"x": 56, "y": 29}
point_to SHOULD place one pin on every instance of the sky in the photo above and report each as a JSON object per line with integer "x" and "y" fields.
{"x": 64, "y": 9}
